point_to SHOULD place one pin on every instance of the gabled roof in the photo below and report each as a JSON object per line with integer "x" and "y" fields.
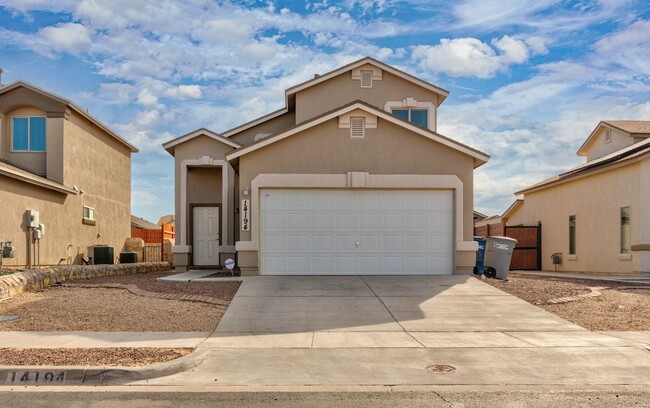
{"x": 442, "y": 93}
{"x": 254, "y": 122}
{"x": 479, "y": 157}
{"x": 169, "y": 146}
{"x": 518, "y": 203}
{"x": 290, "y": 92}
{"x": 141, "y": 223}
{"x": 631, "y": 127}
{"x": 71, "y": 105}
{"x": 9, "y": 170}
{"x": 624, "y": 155}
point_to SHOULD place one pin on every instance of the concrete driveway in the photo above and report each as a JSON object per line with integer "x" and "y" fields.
{"x": 379, "y": 330}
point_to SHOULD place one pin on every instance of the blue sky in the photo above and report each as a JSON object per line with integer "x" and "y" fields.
{"x": 529, "y": 79}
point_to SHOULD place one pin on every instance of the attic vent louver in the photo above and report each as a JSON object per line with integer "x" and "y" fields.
{"x": 357, "y": 127}
{"x": 366, "y": 79}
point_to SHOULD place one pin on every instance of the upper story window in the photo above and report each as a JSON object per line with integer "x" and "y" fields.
{"x": 418, "y": 117}
{"x": 28, "y": 134}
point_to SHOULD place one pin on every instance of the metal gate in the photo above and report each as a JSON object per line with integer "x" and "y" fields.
{"x": 152, "y": 253}
{"x": 528, "y": 251}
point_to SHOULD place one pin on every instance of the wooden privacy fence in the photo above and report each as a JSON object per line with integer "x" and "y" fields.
{"x": 490, "y": 230}
{"x": 154, "y": 253}
{"x": 528, "y": 251}
{"x": 154, "y": 236}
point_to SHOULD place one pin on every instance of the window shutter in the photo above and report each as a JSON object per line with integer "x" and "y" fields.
{"x": 357, "y": 127}
{"x": 366, "y": 79}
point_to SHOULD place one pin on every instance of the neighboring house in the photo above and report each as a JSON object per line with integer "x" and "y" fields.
{"x": 596, "y": 215}
{"x": 141, "y": 223}
{"x": 168, "y": 220}
{"x": 349, "y": 178}
{"x": 479, "y": 216}
{"x": 489, "y": 226}
{"x": 62, "y": 168}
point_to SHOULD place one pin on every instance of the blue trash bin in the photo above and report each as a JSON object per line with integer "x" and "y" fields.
{"x": 479, "y": 268}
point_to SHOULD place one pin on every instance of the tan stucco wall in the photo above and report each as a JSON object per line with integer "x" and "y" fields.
{"x": 389, "y": 149}
{"x": 87, "y": 157}
{"x": 596, "y": 202}
{"x": 271, "y": 126}
{"x": 210, "y": 188}
{"x": 342, "y": 90}
{"x": 598, "y": 147}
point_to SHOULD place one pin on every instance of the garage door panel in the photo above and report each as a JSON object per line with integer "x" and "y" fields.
{"x": 321, "y": 264}
{"x": 369, "y": 265}
{"x": 273, "y": 242}
{"x": 398, "y": 232}
{"x": 346, "y": 221}
{"x": 274, "y": 265}
{"x": 345, "y": 242}
{"x": 298, "y": 242}
{"x": 273, "y": 221}
{"x": 298, "y": 265}
{"x": 370, "y": 222}
{"x": 345, "y": 265}
{"x": 320, "y": 243}
{"x": 392, "y": 221}
{"x": 393, "y": 242}
{"x": 299, "y": 222}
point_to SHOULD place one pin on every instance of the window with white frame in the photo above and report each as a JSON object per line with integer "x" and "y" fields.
{"x": 418, "y": 117}
{"x": 28, "y": 133}
{"x": 357, "y": 127}
{"x": 89, "y": 215}
{"x": 626, "y": 233}
{"x": 572, "y": 235}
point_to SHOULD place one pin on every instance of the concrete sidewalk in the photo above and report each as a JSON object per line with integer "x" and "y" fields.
{"x": 15, "y": 339}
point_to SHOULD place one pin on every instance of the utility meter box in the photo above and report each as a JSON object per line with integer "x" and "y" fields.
{"x": 33, "y": 218}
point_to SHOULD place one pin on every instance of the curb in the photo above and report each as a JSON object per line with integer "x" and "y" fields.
{"x": 77, "y": 375}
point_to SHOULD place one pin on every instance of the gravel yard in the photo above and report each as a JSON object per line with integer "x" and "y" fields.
{"x": 62, "y": 308}
{"x": 131, "y": 357}
{"x": 616, "y": 309}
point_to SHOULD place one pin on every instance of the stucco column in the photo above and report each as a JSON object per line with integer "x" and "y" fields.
{"x": 641, "y": 251}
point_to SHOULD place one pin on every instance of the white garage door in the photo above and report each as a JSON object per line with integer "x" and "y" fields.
{"x": 356, "y": 232}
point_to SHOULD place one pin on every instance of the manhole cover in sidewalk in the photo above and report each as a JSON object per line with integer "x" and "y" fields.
{"x": 440, "y": 368}
{"x": 9, "y": 319}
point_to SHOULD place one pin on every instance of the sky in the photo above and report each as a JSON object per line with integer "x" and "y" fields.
{"x": 528, "y": 79}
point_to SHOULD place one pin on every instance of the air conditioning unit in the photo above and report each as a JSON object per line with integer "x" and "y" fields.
{"x": 101, "y": 255}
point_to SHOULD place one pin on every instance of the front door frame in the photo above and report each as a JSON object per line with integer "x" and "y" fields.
{"x": 191, "y": 229}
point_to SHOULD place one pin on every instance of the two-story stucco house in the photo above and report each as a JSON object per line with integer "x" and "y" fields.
{"x": 350, "y": 177}
{"x": 596, "y": 215}
{"x": 63, "y": 169}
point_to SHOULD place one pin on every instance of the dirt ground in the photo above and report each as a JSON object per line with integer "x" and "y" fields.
{"x": 618, "y": 308}
{"x": 131, "y": 357}
{"x": 62, "y": 308}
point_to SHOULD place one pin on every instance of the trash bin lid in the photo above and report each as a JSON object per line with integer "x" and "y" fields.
{"x": 508, "y": 239}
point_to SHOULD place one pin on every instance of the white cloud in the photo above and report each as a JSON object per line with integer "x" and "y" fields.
{"x": 470, "y": 56}
{"x": 72, "y": 38}
{"x": 629, "y": 48}
{"x": 184, "y": 92}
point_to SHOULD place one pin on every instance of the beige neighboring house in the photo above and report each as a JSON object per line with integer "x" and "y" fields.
{"x": 596, "y": 215}
{"x": 168, "y": 219}
{"x": 350, "y": 177}
{"x": 63, "y": 169}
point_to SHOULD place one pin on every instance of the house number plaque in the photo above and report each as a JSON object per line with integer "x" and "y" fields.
{"x": 245, "y": 215}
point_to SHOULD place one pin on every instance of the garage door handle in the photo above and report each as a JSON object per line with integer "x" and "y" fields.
{"x": 357, "y": 244}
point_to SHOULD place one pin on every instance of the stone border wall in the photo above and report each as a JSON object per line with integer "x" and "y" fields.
{"x": 38, "y": 279}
